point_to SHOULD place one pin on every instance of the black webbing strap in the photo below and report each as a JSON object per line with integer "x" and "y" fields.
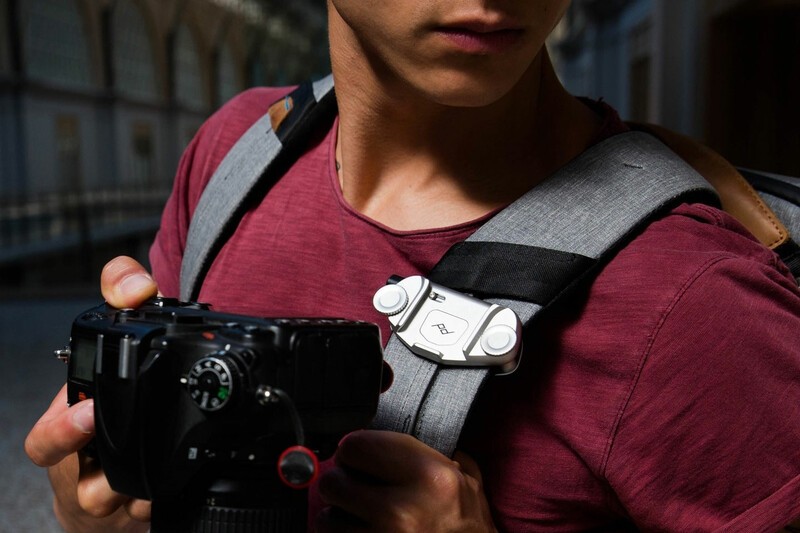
{"x": 508, "y": 270}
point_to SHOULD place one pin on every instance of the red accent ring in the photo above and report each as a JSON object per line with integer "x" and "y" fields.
{"x": 314, "y": 464}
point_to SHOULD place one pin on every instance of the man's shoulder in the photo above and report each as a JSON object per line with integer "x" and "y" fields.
{"x": 253, "y": 102}
{"x": 691, "y": 236}
{"x": 720, "y": 301}
{"x": 236, "y": 116}
{"x": 681, "y": 271}
{"x": 219, "y": 133}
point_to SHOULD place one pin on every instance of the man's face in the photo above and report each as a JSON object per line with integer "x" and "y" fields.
{"x": 455, "y": 52}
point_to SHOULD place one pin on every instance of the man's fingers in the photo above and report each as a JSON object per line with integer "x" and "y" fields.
{"x": 333, "y": 519}
{"x": 139, "y": 510}
{"x": 468, "y": 465}
{"x": 61, "y": 431}
{"x": 126, "y": 283}
{"x": 95, "y": 495}
{"x": 393, "y": 482}
{"x": 357, "y": 498}
{"x": 387, "y": 455}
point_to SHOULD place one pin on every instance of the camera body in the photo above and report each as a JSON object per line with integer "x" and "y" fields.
{"x": 186, "y": 398}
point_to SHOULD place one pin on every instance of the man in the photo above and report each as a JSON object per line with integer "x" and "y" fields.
{"x": 662, "y": 398}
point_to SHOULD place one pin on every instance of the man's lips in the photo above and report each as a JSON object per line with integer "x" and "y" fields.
{"x": 481, "y": 39}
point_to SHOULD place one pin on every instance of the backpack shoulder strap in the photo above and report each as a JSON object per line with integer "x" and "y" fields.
{"x": 782, "y": 195}
{"x": 529, "y": 256}
{"x": 738, "y": 197}
{"x": 768, "y": 205}
{"x": 248, "y": 170}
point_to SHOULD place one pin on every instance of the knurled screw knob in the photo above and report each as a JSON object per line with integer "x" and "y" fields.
{"x": 498, "y": 340}
{"x": 390, "y": 299}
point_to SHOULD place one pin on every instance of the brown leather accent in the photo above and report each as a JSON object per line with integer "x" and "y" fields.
{"x": 279, "y": 111}
{"x": 736, "y": 195}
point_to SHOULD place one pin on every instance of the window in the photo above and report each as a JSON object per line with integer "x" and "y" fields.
{"x": 142, "y": 149}
{"x": 54, "y": 43}
{"x": 189, "y": 133}
{"x": 68, "y": 153}
{"x": 257, "y": 71}
{"x": 5, "y": 45}
{"x": 227, "y": 86}
{"x": 134, "y": 58}
{"x": 188, "y": 80}
{"x": 640, "y": 60}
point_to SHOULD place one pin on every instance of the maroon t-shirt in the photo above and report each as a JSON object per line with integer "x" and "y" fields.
{"x": 664, "y": 397}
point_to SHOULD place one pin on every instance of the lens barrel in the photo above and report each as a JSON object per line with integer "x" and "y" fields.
{"x": 234, "y": 506}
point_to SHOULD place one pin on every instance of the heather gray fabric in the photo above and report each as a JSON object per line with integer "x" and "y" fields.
{"x": 322, "y": 87}
{"x": 598, "y": 197}
{"x": 789, "y": 214}
{"x": 431, "y": 401}
{"x": 239, "y": 172}
{"x": 588, "y": 208}
{"x": 786, "y": 211}
{"x": 782, "y": 195}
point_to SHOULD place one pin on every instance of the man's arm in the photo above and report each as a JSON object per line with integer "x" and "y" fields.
{"x": 713, "y": 422}
{"x": 83, "y": 500}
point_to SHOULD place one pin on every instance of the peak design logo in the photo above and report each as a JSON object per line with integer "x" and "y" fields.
{"x": 443, "y": 329}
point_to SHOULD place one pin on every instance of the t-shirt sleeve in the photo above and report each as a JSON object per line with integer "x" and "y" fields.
{"x": 713, "y": 421}
{"x": 197, "y": 165}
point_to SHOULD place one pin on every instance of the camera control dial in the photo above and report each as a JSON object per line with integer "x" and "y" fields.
{"x": 211, "y": 382}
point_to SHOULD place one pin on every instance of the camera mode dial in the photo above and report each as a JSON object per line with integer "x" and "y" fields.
{"x": 212, "y": 381}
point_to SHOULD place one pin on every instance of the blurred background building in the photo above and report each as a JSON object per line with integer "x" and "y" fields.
{"x": 726, "y": 72}
{"x": 98, "y": 98}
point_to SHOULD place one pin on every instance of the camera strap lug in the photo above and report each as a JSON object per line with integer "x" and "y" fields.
{"x": 63, "y": 354}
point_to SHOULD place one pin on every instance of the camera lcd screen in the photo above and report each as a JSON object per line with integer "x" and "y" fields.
{"x": 82, "y": 359}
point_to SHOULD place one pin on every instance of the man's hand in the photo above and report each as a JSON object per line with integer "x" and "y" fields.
{"x": 126, "y": 283}
{"x": 83, "y": 499}
{"x": 386, "y": 481}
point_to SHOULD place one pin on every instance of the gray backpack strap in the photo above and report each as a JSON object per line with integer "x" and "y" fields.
{"x": 244, "y": 166}
{"x": 569, "y": 224}
{"x": 782, "y": 194}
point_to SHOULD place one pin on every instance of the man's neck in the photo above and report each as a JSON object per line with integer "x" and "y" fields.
{"x": 400, "y": 153}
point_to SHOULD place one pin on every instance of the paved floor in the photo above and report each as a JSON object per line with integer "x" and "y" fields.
{"x": 29, "y": 332}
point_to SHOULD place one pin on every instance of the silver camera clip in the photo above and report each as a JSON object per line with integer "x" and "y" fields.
{"x": 449, "y": 327}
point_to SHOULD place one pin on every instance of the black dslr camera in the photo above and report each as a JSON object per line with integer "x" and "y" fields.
{"x": 219, "y": 418}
